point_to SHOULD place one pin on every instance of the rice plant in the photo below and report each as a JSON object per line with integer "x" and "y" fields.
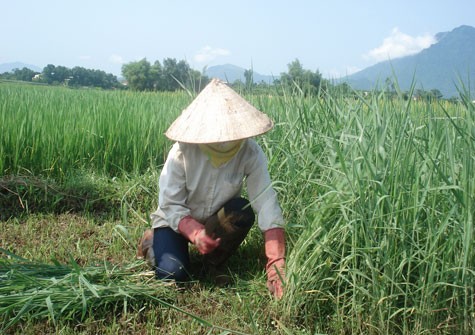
{"x": 54, "y": 132}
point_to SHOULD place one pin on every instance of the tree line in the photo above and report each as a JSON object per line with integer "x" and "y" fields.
{"x": 168, "y": 75}
{"x": 61, "y": 75}
{"x": 173, "y": 75}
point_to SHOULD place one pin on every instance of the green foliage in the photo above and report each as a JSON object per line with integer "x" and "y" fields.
{"x": 24, "y": 74}
{"x": 297, "y": 78}
{"x": 171, "y": 76}
{"x": 60, "y": 75}
{"x": 77, "y": 77}
{"x": 137, "y": 75}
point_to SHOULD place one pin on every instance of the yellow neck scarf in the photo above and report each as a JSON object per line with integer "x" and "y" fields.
{"x": 221, "y": 153}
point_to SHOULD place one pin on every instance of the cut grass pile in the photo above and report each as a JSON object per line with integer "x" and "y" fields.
{"x": 32, "y": 290}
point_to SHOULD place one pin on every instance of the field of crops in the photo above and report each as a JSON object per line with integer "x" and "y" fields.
{"x": 378, "y": 194}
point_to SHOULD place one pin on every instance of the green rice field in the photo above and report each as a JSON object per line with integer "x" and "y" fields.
{"x": 378, "y": 194}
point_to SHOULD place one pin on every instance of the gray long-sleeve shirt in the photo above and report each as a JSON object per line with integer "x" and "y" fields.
{"x": 190, "y": 185}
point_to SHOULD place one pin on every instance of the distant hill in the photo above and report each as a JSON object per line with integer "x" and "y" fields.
{"x": 441, "y": 66}
{"x": 231, "y": 73}
{"x": 9, "y": 67}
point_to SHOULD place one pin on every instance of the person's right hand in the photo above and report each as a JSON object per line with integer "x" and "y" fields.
{"x": 204, "y": 243}
{"x": 196, "y": 234}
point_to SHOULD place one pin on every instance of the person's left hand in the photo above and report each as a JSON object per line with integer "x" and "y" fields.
{"x": 275, "y": 267}
{"x": 276, "y": 278}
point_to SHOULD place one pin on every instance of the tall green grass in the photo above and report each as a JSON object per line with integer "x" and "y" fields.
{"x": 379, "y": 195}
{"x": 53, "y": 132}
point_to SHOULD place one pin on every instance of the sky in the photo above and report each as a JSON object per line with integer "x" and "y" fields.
{"x": 334, "y": 37}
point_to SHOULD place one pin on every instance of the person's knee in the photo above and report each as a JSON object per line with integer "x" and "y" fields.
{"x": 171, "y": 269}
{"x": 242, "y": 210}
{"x": 171, "y": 255}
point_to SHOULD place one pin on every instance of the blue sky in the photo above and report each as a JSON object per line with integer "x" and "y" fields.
{"x": 335, "y": 37}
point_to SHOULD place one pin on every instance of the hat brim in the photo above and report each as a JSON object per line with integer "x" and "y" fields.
{"x": 218, "y": 114}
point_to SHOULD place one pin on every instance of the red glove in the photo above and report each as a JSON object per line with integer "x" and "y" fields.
{"x": 275, "y": 267}
{"x": 196, "y": 234}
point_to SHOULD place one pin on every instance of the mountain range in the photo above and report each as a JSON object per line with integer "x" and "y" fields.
{"x": 447, "y": 65}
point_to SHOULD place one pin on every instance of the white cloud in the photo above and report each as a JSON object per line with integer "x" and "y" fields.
{"x": 116, "y": 59}
{"x": 399, "y": 44}
{"x": 207, "y": 54}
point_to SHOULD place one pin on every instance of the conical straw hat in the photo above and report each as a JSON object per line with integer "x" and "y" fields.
{"x": 218, "y": 114}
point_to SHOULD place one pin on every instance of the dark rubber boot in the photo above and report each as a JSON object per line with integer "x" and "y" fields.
{"x": 231, "y": 224}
